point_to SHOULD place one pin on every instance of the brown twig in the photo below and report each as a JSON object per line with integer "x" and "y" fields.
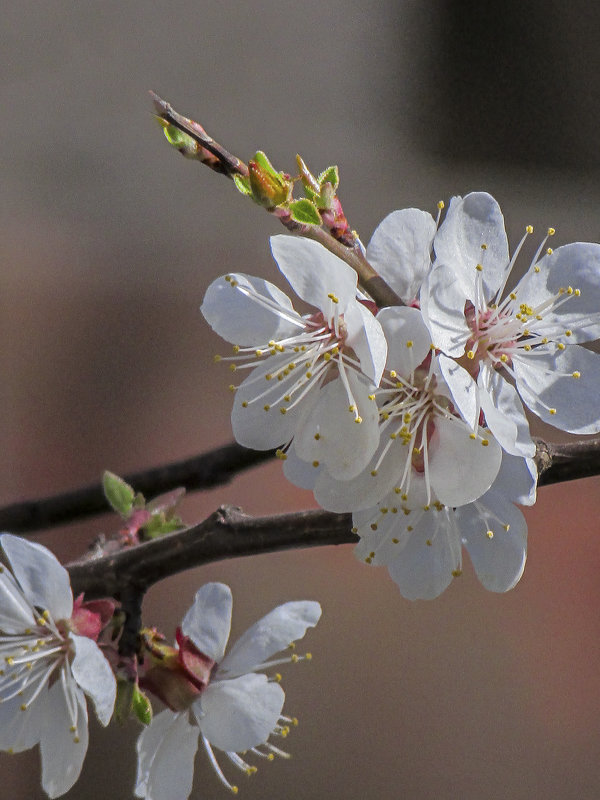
{"x": 228, "y": 533}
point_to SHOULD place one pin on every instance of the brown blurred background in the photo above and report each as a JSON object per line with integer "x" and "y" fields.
{"x": 109, "y": 240}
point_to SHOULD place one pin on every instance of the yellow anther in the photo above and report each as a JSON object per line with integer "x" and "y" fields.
{"x": 384, "y": 510}
{"x": 233, "y": 283}
{"x": 333, "y": 298}
{"x": 441, "y": 204}
{"x": 267, "y": 407}
{"x": 577, "y": 374}
{"x": 234, "y": 789}
{"x": 232, "y": 367}
{"x": 287, "y": 398}
{"x": 393, "y": 435}
{"x": 270, "y": 757}
{"x": 489, "y": 534}
{"x": 236, "y": 348}
{"x": 354, "y": 529}
{"x": 283, "y": 410}
{"x": 471, "y": 354}
{"x": 368, "y": 560}
{"x": 373, "y": 472}
{"x": 327, "y": 356}
{"x": 545, "y": 340}
{"x": 217, "y": 358}
{"x": 568, "y": 333}
{"x": 244, "y": 404}
{"x": 561, "y": 346}
{"x": 456, "y": 573}
{"x": 504, "y": 358}
{"x": 472, "y": 436}
{"x": 317, "y": 436}
{"x": 536, "y": 268}
{"x": 358, "y": 420}
{"x": 394, "y": 510}
{"x": 428, "y": 542}
{"x": 426, "y": 508}
{"x": 395, "y": 541}
{"x": 393, "y": 373}
{"x": 529, "y": 229}
{"x": 294, "y": 658}
{"x": 484, "y": 246}
{"x": 227, "y": 278}
{"x": 577, "y": 292}
{"x": 485, "y": 442}
{"x": 9, "y": 660}
{"x": 385, "y": 415}
{"x": 23, "y": 706}
{"x": 569, "y": 290}
{"x": 527, "y": 347}
{"x": 73, "y": 728}
{"x": 479, "y": 268}
{"x": 506, "y": 527}
{"x": 416, "y": 451}
{"x": 551, "y": 231}
{"x": 232, "y": 387}
{"x": 406, "y": 511}
{"x": 352, "y": 409}
{"x": 280, "y": 455}
{"x": 552, "y": 411}
{"x": 307, "y": 657}
{"x": 373, "y": 526}
{"x": 409, "y": 528}
{"x": 549, "y": 252}
{"x": 335, "y": 351}
{"x": 409, "y": 343}
{"x": 397, "y": 489}
{"x": 269, "y": 376}
{"x": 371, "y": 397}
{"x": 315, "y": 463}
{"x": 513, "y": 296}
{"x": 309, "y": 376}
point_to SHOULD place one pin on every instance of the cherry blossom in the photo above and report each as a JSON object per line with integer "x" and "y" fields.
{"x": 222, "y": 700}
{"x": 50, "y": 662}
{"x": 523, "y": 347}
{"x": 313, "y": 376}
{"x": 421, "y": 541}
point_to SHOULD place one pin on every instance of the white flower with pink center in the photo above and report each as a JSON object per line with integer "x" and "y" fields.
{"x": 423, "y": 436}
{"x": 47, "y": 665}
{"x": 223, "y": 699}
{"x": 421, "y": 541}
{"x": 520, "y": 347}
{"x": 312, "y": 376}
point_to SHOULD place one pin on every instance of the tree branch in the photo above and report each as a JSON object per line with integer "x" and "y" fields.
{"x": 227, "y": 533}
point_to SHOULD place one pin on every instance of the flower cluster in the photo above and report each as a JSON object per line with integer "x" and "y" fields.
{"x": 412, "y": 417}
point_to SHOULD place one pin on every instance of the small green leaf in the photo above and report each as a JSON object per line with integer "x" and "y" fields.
{"x": 304, "y": 211}
{"x": 124, "y": 701}
{"x": 119, "y": 494}
{"x": 310, "y": 193}
{"x": 141, "y": 707}
{"x": 330, "y": 175}
{"x": 180, "y": 140}
{"x": 263, "y": 162}
{"x": 242, "y": 184}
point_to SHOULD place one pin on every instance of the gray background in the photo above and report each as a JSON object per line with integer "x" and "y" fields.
{"x": 109, "y": 240}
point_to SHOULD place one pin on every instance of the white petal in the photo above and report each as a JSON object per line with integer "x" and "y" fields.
{"x": 208, "y": 621}
{"x": 463, "y": 389}
{"x": 274, "y": 632}
{"x": 443, "y": 304}
{"x": 298, "y": 472}
{"x": 517, "y": 479}
{"x": 313, "y": 272}
{"x": 21, "y": 730}
{"x": 504, "y": 413}
{"x": 94, "y": 675}
{"x": 367, "y": 340}
{"x": 409, "y": 340}
{"x": 471, "y": 222}
{"x": 241, "y": 713}
{"x": 400, "y": 250}
{"x": 261, "y": 429}
{"x": 16, "y": 614}
{"x": 424, "y": 567}
{"x": 62, "y": 755}
{"x": 330, "y": 434}
{"x": 45, "y": 582}
{"x": 576, "y": 265}
{"x": 460, "y": 468}
{"x": 499, "y": 560}
{"x": 545, "y": 381}
{"x": 166, "y": 758}
{"x": 234, "y": 310}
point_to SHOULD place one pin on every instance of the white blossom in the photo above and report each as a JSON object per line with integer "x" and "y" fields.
{"x": 313, "y": 376}
{"x": 421, "y": 542}
{"x": 46, "y": 666}
{"x": 237, "y": 709}
{"x": 522, "y": 347}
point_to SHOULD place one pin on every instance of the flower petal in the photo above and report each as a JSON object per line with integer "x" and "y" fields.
{"x": 208, "y": 621}
{"x": 45, "y": 582}
{"x": 314, "y": 273}
{"x": 517, "y": 479}
{"x": 473, "y": 234}
{"x": 271, "y": 634}
{"x": 94, "y": 675}
{"x": 409, "y": 340}
{"x": 460, "y": 468}
{"x": 330, "y": 434}
{"x": 547, "y": 384}
{"x": 166, "y": 752}
{"x": 499, "y": 559}
{"x": 238, "y": 714}
{"x": 62, "y": 749}
{"x": 16, "y": 614}
{"x": 443, "y": 305}
{"x": 576, "y": 265}
{"x": 249, "y": 311}
{"x": 425, "y": 566}
{"x": 463, "y": 389}
{"x": 504, "y": 413}
{"x": 21, "y": 730}
{"x": 298, "y": 472}
{"x": 400, "y": 250}
{"x": 367, "y": 340}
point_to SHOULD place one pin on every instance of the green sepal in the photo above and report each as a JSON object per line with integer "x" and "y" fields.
{"x": 242, "y": 184}
{"x": 124, "y": 700}
{"x": 159, "y": 525}
{"x": 180, "y": 140}
{"x": 269, "y": 187}
{"x": 330, "y": 175}
{"x": 119, "y": 494}
{"x": 305, "y": 212}
{"x": 263, "y": 162}
{"x": 141, "y": 707}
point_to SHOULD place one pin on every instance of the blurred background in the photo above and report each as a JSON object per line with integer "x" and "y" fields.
{"x": 109, "y": 240}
